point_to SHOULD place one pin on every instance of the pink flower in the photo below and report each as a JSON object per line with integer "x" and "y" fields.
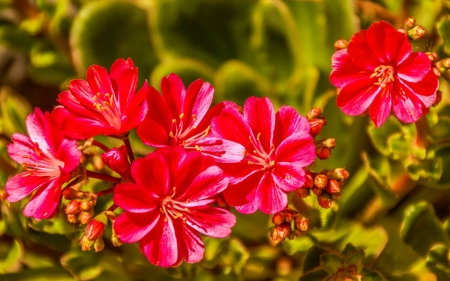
{"x": 104, "y": 103}
{"x": 180, "y": 117}
{"x": 379, "y": 72}
{"x": 170, "y": 204}
{"x": 48, "y": 159}
{"x": 277, "y": 148}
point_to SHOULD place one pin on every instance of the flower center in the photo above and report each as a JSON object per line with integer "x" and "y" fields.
{"x": 173, "y": 208}
{"x": 385, "y": 74}
{"x": 178, "y": 133}
{"x": 105, "y": 104}
{"x": 42, "y": 165}
{"x": 259, "y": 156}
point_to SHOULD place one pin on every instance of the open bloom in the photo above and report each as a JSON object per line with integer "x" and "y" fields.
{"x": 103, "y": 103}
{"x": 48, "y": 159}
{"x": 170, "y": 204}
{"x": 180, "y": 117}
{"x": 379, "y": 72}
{"x": 277, "y": 148}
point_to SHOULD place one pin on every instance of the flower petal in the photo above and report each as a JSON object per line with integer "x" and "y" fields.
{"x": 376, "y": 34}
{"x": 381, "y": 106}
{"x": 288, "y": 176}
{"x": 152, "y": 133}
{"x": 424, "y": 90}
{"x": 407, "y": 108}
{"x": 243, "y": 193}
{"x": 396, "y": 45}
{"x": 133, "y": 227}
{"x": 99, "y": 80}
{"x": 69, "y": 153}
{"x": 272, "y": 199}
{"x": 287, "y": 123}
{"x": 414, "y": 68}
{"x": 198, "y": 99}
{"x": 223, "y": 151}
{"x": 21, "y": 185}
{"x": 298, "y": 148}
{"x": 206, "y": 184}
{"x": 152, "y": 173}
{"x": 260, "y": 115}
{"x": 355, "y": 98}
{"x": 361, "y": 53}
{"x": 190, "y": 245}
{"x": 214, "y": 222}
{"x": 174, "y": 94}
{"x": 134, "y": 198}
{"x": 230, "y": 125}
{"x": 44, "y": 202}
{"x": 344, "y": 71}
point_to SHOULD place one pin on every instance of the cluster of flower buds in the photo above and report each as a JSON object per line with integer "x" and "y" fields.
{"x": 316, "y": 122}
{"x": 92, "y": 237}
{"x": 80, "y": 207}
{"x": 412, "y": 30}
{"x": 326, "y": 185}
{"x": 288, "y": 224}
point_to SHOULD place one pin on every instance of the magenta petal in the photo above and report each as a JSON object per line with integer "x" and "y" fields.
{"x": 237, "y": 172}
{"x": 376, "y": 35}
{"x": 174, "y": 94}
{"x": 243, "y": 192}
{"x": 223, "y": 151}
{"x": 297, "y": 148}
{"x": 206, "y": 184}
{"x": 152, "y": 173}
{"x": 355, "y": 98}
{"x": 44, "y": 202}
{"x": 158, "y": 110}
{"x": 69, "y": 153}
{"x": 345, "y": 71}
{"x": 22, "y": 149}
{"x": 126, "y": 88}
{"x": 397, "y": 45}
{"x": 214, "y": 222}
{"x": 230, "y": 125}
{"x": 162, "y": 249}
{"x": 37, "y": 132}
{"x": 424, "y": 90}
{"x": 288, "y": 176}
{"x": 272, "y": 199}
{"x": 198, "y": 100}
{"x": 81, "y": 91}
{"x": 134, "y": 198}
{"x": 133, "y": 227}
{"x": 414, "y": 68}
{"x": 260, "y": 115}
{"x": 152, "y": 133}
{"x": 362, "y": 55}
{"x": 99, "y": 80}
{"x": 21, "y": 185}
{"x": 381, "y": 107}
{"x": 407, "y": 108}
{"x": 190, "y": 245}
{"x": 287, "y": 123}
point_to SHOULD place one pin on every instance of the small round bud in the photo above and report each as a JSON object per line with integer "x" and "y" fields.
{"x": 409, "y": 23}
{"x": 303, "y": 192}
{"x": 320, "y": 181}
{"x": 98, "y": 162}
{"x": 279, "y": 233}
{"x": 94, "y": 230}
{"x": 316, "y": 191}
{"x": 333, "y": 186}
{"x": 340, "y": 44}
{"x": 330, "y": 143}
{"x": 86, "y": 245}
{"x": 432, "y": 56}
{"x": 288, "y": 217}
{"x": 308, "y": 180}
{"x": 445, "y": 63}
{"x": 338, "y": 174}
{"x": 323, "y": 152}
{"x": 69, "y": 193}
{"x": 324, "y": 200}
{"x": 316, "y": 126}
{"x": 436, "y": 71}
{"x": 438, "y": 98}
{"x": 416, "y": 32}
{"x": 73, "y": 207}
{"x": 86, "y": 216}
{"x": 72, "y": 218}
{"x": 87, "y": 205}
{"x": 278, "y": 218}
{"x": 301, "y": 224}
{"x": 314, "y": 113}
{"x": 99, "y": 245}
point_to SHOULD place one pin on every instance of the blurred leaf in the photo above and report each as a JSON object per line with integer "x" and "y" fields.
{"x": 104, "y": 31}
{"x": 13, "y": 111}
{"x": 230, "y": 254}
{"x": 368, "y": 275}
{"x": 421, "y": 229}
{"x": 318, "y": 274}
{"x": 298, "y": 244}
{"x": 10, "y": 256}
{"x": 15, "y": 38}
{"x": 331, "y": 263}
{"x": 56, "y": 225}
{"x": 379, "y": 136}
{"x": 426, "y": 170}
{"x": 355, "y": 260}
{"x": 438, "y": 262}
{"x": 312, "y": 258}
{"x": 38, "y": 260}
{"x": 82, "y": 265}
{"x": 42, "y": 274}
{"x": 425, "y": 12}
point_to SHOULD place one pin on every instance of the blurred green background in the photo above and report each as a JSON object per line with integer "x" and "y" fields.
{"x": 274, "y": 48}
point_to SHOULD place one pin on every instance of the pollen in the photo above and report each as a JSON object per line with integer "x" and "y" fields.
{"x": 385, "y": 75}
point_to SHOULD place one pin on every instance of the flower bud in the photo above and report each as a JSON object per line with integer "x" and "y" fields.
{"x": 308, "y": 180}
{"x": 316, "y": 191}
{"x": 288, "y": 217}
{"x": 436, "y": 71}
{"x": 86, "y": 244}
{"x": 98, "y": 162}
{"x": 278, "y": 218}
{"x": 339, "y": 174}
{"x": 333, "y": 187}
{"x": 69, "y": 193}
{"x": 323, "y": 152}
{"x": 314, "y": 113}
{"x": 445, "y": 63}
{"x": 409, "y": 23}
{"x": 73, "y": 207}
{"x": 87, "y": 205}
{"x": 86, "y": 216}
{"x": 330, "y": 143}
{"x": 304, "y": 192}
{"x": 336, "y": 196}
{"x": 94, "y": 230}
{"x": 221, "y": 202}
{"x": 99, "y": 245}
{"x": 320, "y": 181}
{"x": 324, "y": 200}
{"x": 117, "y": 160}
{"x": 279, "y": 233}
{"x": 316, "y": 126}
{"x": 438, "y": 98}
{"x": 72, "y": 218}
{"x": 301, "y": 224}
{"x": 432, "y": 56}
{"x": 416, "y": 32}
{"x": 340, "y": 44}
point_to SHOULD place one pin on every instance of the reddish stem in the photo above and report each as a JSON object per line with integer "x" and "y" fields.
{"x": 95, "y": 175}
{"x": 101, "y": 145}
{"x": 112, "y": 208}
{"x": 127, "y": 143}
{"x": 105, "y": 192}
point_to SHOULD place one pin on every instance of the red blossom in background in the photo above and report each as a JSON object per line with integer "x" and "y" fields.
{"x": 379, "y": 72}
{"x": 180, "y": 117}
{"x": 48, "y": 159}
{"x": 104, "y": 103}
{"x": 170, "y": 204}
{"x": 277, "y": 148}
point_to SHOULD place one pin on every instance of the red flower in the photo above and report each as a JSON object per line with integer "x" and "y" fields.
{"x": 180, "y": 117}
{"x": 48, "y": 158}
{"x": 105, "y": 103}
{"x": 170, "y": 203}
{"x": 277, "y": 148}
{"x": 379, "y": 72}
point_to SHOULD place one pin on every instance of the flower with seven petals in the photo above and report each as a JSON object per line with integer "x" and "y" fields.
{"x": 277, "y": 148}
{"x": 170, "y": 203}
{"x": 103, "y": 103}
{"x": 48, "y": 159}
{"x": 180, "y": 117}
{"x": 379, "y": 72}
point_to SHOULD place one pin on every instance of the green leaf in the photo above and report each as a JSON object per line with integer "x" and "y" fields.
{"x": 312, "y": 258}
{"x": 331, "y": 263}
{"x": 104, "y": 31}
{"x": 438, "y": 262}
{"x": 56, "y": 225}
{"x": 41, "y": 274}
{"x": 356, "y": 260}
{"x": 369, "y": 275}
{"x": 379, "y": 136}
{"x": 425, "y": 170}
{"x": 421, "y": 229}
{"x": 318, "y": 274}
{"x": 82, "y": 265}
{"x": 298, "y": 244}
{"x": 11, "y": 256}
{"x": 16, "y": 39}
{"x": 13, "y": 111}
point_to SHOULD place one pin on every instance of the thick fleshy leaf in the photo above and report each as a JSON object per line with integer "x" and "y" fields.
{"x": 133, "y": 227}
{"x": 134, "y": 198}
{"x": 44, "y": 202}
{"x": 260, "y": 115}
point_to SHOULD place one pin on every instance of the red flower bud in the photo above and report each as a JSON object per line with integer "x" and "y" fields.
{"x": 117, "y": 160}
{"x": 288, "y": 217}
{"x": 94, "y": 230}
{"x": 278, "y": 218}
{"x": 308, "y": 180}
{"x": 87, "y": 205}
{"x": 438, "y": 98}
{"x": 301, "y": 224}
{"x": 69, "y": 193}
{"x": 315, "y": 112}
{"x": 303, "y": 192}
{"x": 333, "y": 186}
{"x": 86, "y": 216}
{"x": 409, "y": 23}
{"x": 416, "y": 32}
{"x": 279, "y": 233}
{"x": 316, "y": 125}
{"x": 323, "y": 152}
{"x": 338, "y": 174}
{"x": 324, "y": 200}
{"x": 72, "y": 218}
{"x": 330, "y": 143}
{"x": 340, "y": 44}
{"x": 99, "y": 245}
{"x": 432, "y": 56}
{"x": 73, "y": 207}
{"x": 320, "y": 181}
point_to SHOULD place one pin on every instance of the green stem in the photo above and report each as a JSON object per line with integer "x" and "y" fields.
{"x": 95, "y": 175}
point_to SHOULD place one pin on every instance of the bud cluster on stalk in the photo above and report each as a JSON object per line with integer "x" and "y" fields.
{"x": 412, "y": 30}
{"x": 80, "y": 207}
{"x": 326, "y": 185}
{"x": 288, "y": 224}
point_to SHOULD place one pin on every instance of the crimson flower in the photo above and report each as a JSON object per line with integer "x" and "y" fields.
{"x": 277, "y": 148}
{"x": 379, "y": 72}
{"x": 170, "y": 203}
{"x": 180, "y": 117}
{"x": 48, "y": 159}
{"x": 104, "y": 103}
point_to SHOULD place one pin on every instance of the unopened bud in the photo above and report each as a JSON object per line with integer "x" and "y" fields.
{"x": 340, "y": 44}
{"x": 73, "y": 207}
{"x": 314, "y": 113}
{"x": 94, "y": 230}
{"x": 98, "y": 162}
{"x": 320, "y": 181}
{"x": 316, "y": 126}
{"x": 72, "y": 218}
{"x": 86, "y": 216}
{"x": 99, "y": 245}
{"x": 324, "y": 200}
{"x": 86, "y": 245}
{"x": 432, "y": 56}
{"x": 308, "y": 180}
{"x": 323, "y": 152}
{"x": 301, "y": 223}
{"x": 330, "y": 143}
{"x": 288, "y": 217}
{"x": 438, "y": 98}
{"x": 409, "y": 23}
{"x": 69, "y": 193}
{"x": 279, "y": 233}
{"x": 114, "y": 237}
{"x": 304, "y": 192}
{"x": 316, "y": 191}
{"x": 87, "y": 205}
{"x": 436, "y": 71}
{"x": 278, "y": 218}
{"x": 117, "y": 160}
{"x": 338, "y": 174}
{"x": 335, "y": 196}
{"x": 416, "y": 32}
{"x": 445, "y": 63}
{"x": 333, "y": 186}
